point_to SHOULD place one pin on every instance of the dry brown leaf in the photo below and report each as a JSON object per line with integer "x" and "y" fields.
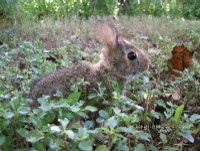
{"x": 177, "y": 94}
{"x": 181, "y": 59}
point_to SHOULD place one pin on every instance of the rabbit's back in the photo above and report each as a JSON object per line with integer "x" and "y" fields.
{"x": 61, "y": 80}
{"x": 64, "y": 78}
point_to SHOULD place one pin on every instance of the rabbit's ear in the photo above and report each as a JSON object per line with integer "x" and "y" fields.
{"x": 108, "y": 34}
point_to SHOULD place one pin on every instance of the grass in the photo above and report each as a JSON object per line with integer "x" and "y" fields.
{"x": 160, "y": 33}
{"x": 29, "y": 50}
{"x": 57, "y": 31}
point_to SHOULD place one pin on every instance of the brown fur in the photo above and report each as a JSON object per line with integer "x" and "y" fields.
{"x": 114, "y": 64}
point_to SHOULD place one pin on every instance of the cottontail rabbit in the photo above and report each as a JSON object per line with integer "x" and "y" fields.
{"x": 119, "y": 60}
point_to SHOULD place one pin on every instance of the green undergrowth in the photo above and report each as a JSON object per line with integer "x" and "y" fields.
{"x": 160, "y": 114}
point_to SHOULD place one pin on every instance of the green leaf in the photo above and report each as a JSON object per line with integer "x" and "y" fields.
{"x": 55, "y": 129}
{"x": 8, "y": 115}
{"x": 103, "y": 114}
{"x": 2, "y": 140}
{"x": 144, "y": 136}
{"x": 45, "y": 105}
{"x": 138, "y": 107}
{"x": 171, "y": 149}
{"x": 139, "y": 147}
{"x": 23, "y": 132}
{"x": 64, "y": 122}
{"x": 31, "y": 136}
{"x": 169, "y": 113}
{"x": 154, "y": 114}
{"x": 54, "y": 145}
{"x": 23, "y": 110}
{"x": 177, "y": 115}
{"x": 85, "y": 145}
{"x": 83, "y": 133}
{"x": 102, "y": 148}
{"x": 82, "y": 114}
{"x": 163, "y": 137}
{"x": 88, "y": 124}
{"x": 195, "y": 117}
{"x": 100, "y": 120}
{"x": 50, "y": 117}
{"x": 74, "y": 97}
{"x": 38, "y": 146}
{"x": 129, "y": 129}
{"x": 153, "y": 148}
{"x": 70, "y": 134}
{"x": 74, "y": 108}
{"x": 91, "y": 108}
{"x": 58, "y": 94}
{"x": 116, "y": 110}
{"x": 36, "y": 121}
{"x": 35, "y": 136}
{"x": 60, "y": 104}
{"x": 187, "y": 134}
{"x": 111, "y": 122}
{"x": 161, "y": 103}
{"x": 121, "y": 146}
{"x": 8, "y": 142}
{"x": 44, "y": 99}
{"x": 92, "y": 96}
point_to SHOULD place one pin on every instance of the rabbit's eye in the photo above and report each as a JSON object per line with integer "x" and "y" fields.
{"x": 132, "y": 56}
